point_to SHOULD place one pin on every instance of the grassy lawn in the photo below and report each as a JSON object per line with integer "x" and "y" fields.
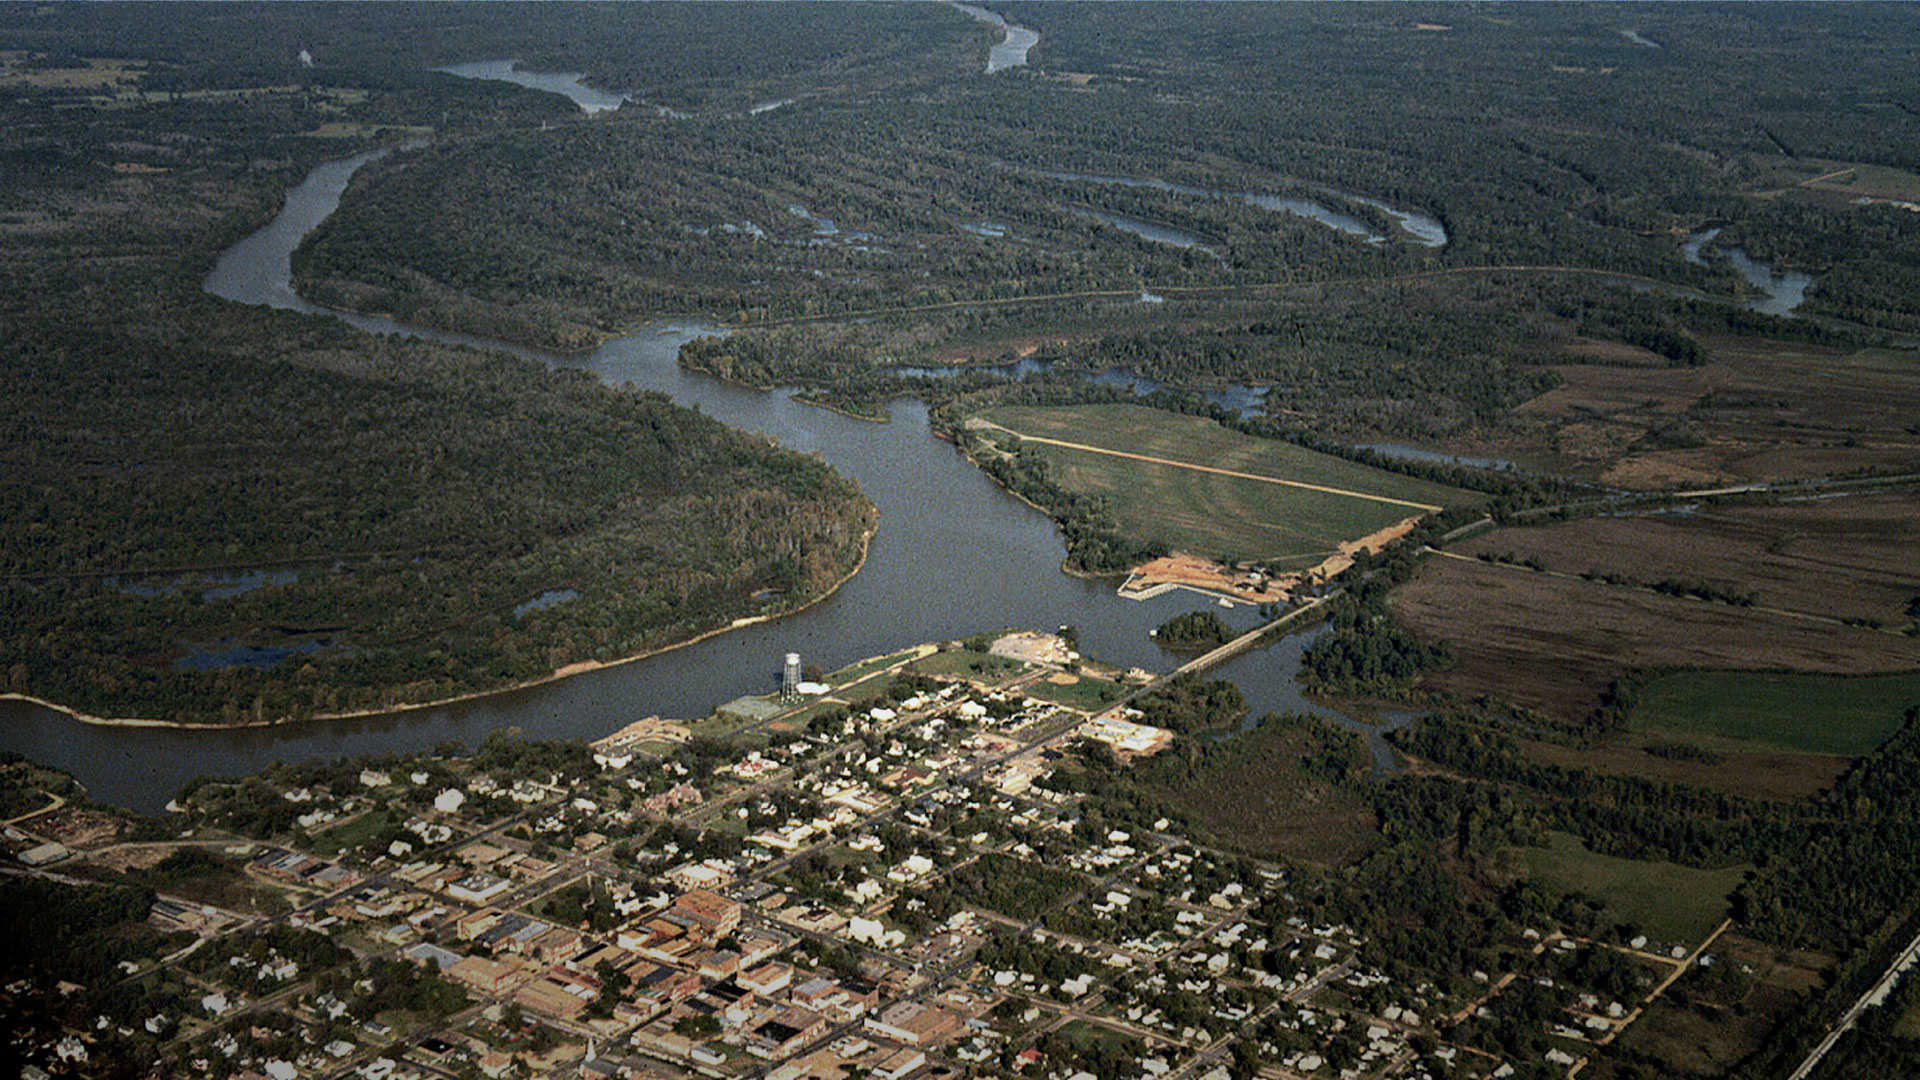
{"x": 352, "y": 834}
{"x": 861, "y": 693}
{"x": 855, "y": 672}
{"x": 1815, "y": 714}
{"x": 976, "y": 666}
{"x": 1087, "y": 695}
{"x": 1085, "y": 1036}
{"x": 798, "y": 721}
{"x": 840, "y": 856}
{"x": 1669, "y": 902}
{"x": 1209, "y": 514}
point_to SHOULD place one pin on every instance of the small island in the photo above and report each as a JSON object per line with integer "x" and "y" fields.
{"x": 1193, "y": 630}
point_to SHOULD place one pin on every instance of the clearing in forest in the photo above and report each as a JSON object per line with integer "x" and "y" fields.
{"x": 1196, "y": 486}
{"x": 1671, "y": 903}
{"x": 1256, "y": 792}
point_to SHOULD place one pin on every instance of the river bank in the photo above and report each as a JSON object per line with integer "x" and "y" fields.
{"x": 565, "y": 671}
{"x": 953, "y": 554}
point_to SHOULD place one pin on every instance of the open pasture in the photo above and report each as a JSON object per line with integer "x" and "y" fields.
{"x": 1841, "y": 558}
{"x": 1758, "y": 409}
{"x": 1670, "y": 903}
{"x": 1554, "y": 644}
{"x": 1747, "y": 772}
{"x": 1198, "y": 487}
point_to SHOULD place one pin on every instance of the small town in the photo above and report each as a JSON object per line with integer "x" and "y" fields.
{"x": 878, "y": 872}
{"x": 950, "y": 540}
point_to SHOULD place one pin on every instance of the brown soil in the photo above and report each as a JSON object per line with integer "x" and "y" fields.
{"x": 1842, "y": 558}
{"x": 1614, "y": 352}
{"x": 79, "y": 828}
{"x": 1191, "y": 570}
{"x": 1206, "y": 574}
{"x": 1554, "y": 644}
{"x": 1760, "y": 410}
{"x": 133, "y": 858}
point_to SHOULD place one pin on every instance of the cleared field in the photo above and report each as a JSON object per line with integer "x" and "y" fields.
{"x": 975, "y": 666}
{"x": 1815, "y": 714}
{"x": 1084, "y": 693}
{"x": 93, "y": 73}
{"x": 1253, "y": 793}
{"x": 1848, "y": 178}
{"x": 1843, "y": 558}
{"x": 1739, "y": 770}
{"x": 1908, "y": 1026}
{"x": 1669, "y": 903}
{"x": 1554, "y": 644}
{"x": 1211, "y": 513}
{"x": 1758, "y": 410}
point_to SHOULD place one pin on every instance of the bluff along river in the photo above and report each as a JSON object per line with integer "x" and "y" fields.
{"x": 954, "y": 555}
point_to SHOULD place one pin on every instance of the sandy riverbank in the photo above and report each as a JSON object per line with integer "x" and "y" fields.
{"x": 1238, "y": 585}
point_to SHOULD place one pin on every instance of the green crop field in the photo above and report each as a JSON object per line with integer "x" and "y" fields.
{"x": 1210, "y": 514}
{"x": 1669, "y": 902}
{"x": 1815, "y": 714}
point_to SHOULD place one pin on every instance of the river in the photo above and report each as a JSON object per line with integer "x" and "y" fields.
{"x": 567, "y": 83}
{"x": 1011, "y": 51}
{"x": 1784, "y": 291}
{"x": 954, "y": 555}
{"x": 1422, "y": 229}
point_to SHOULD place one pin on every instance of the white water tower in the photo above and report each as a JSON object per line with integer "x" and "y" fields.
{"x": 790, "y": 677}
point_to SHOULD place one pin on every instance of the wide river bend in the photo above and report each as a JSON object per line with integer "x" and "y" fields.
{"x": 954, "y": 555}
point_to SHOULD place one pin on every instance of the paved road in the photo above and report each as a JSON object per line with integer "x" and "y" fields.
{"x": 1908, "y": 956}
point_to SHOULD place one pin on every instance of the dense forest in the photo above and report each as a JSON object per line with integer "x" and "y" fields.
{"x": 1543, "y": 138}
{"x": 1196, "y": 630}
{"x": 674, "y": 54}
{"x": 219, "y": 514}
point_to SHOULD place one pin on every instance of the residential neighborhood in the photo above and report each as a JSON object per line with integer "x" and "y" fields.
{"x": 888, "y": 878}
